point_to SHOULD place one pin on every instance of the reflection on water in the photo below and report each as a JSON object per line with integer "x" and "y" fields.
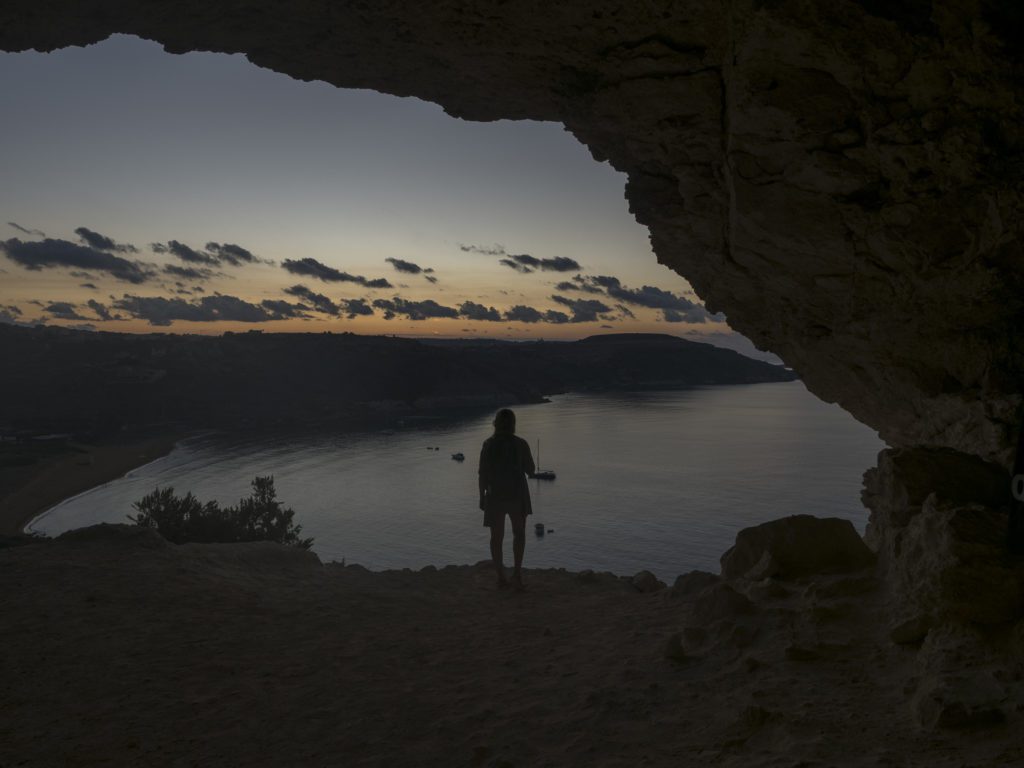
{"x": 656, "y": 480}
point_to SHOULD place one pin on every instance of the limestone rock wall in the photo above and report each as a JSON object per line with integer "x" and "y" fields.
{"x": 842, "y": 179}
{"x": 939, "y": 526}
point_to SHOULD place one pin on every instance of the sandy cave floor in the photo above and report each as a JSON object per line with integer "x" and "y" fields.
{"x": 126, "y": 651}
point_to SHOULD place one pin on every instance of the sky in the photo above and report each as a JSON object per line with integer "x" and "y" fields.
{"x": 197, "y": 193}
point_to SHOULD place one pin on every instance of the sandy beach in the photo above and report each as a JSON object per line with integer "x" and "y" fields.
{"x": 29, "y": 491}
{"x": 123, "y": 650}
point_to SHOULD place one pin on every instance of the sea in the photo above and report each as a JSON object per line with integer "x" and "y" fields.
{"x": 658, "y": 481}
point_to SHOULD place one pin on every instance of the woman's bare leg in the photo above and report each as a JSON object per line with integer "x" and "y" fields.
{"x": 518, "y": 547}
{"x": 497, "y": 541}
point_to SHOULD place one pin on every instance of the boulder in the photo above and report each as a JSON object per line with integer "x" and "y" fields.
{"x": 693, "y": 582}
{"x": 645, "y": 581}
{"x": 720, "y": 601}
{"x": 799, "y": 545}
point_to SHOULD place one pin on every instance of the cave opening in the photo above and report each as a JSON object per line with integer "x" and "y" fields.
{"x": 177, "y": 151}
{"x": 828, "y": 181}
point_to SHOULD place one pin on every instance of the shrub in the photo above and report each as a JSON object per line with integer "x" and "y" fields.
{"x": 260, "y": 517}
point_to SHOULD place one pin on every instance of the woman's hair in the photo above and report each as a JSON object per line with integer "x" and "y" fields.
{"x": 505, "y": 421}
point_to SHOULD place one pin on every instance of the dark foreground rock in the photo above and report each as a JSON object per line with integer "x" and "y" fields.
{"x": 799, "y": 545}
{"x": 939, "y": 524}
{"x": 122, "y": 650}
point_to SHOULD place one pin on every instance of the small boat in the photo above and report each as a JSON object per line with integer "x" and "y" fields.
{"x": 542, "y": 474}
{"x": 539, "y": 529}
{"x": 458, "y": 457}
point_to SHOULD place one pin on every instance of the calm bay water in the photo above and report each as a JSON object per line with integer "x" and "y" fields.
{"x": 656, "y": 480}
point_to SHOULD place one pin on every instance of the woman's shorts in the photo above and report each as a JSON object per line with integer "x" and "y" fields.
{"x": 497, "y": 510}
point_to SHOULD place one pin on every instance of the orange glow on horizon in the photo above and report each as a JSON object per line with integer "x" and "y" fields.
{"x": 431, "y": 328}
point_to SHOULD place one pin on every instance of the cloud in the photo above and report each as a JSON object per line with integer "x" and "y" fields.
{"x": 515, "y": 265}
{"x": 183, "y": 252}
{"x": 88, "y": 285}
{"x": 285, "y": 309}
{"x": 313, "y": 268}
{"x": 558, "y": 264}
{"x": 9, "y": 316}
{"x": 473, "y": 311}
{"x": 674, "y": 308}
{"x": 51, "y": 253}
{"x": 158, "y": 310}
{"x": 215, "y": 255}
{"x": 495, "y": 250}
{"x": 100, "y": 309}
{"x": 353, "y": 307}
{"x": 583, "y": 310}
{"x": 579, "y": 283}
{"x": 523, "y": 314}
{"x": 414, "y": 310}
{"x": 189, "y": 273}
{"x": 626, "y": 311}
{"x": 26, "y": 230}
{"x": 63, "y": 310}
{"x": 102, "y": 242}
{"x": 320, "y": 302}
{"x": 235, "y": 255}
{"x": 697, "y": 315}
{"x": 523, "y": 262}
{"x": 406, "y": 266}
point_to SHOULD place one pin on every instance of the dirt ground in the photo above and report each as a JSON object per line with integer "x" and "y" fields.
{"x": 122, "y": 650}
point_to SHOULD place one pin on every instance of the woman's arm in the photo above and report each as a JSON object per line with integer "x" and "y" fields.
{"x": 482, "y": 475}
{"x": 528, "y": 465}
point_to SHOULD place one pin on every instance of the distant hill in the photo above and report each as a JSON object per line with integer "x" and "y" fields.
{"x": 78, "y": 381}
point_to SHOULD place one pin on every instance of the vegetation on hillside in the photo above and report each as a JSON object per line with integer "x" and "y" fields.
{"x": 181, "y": 519}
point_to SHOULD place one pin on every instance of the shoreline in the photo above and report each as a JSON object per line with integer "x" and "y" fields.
{"x": 74, "y": 471}
{"x": 82, "y": 467}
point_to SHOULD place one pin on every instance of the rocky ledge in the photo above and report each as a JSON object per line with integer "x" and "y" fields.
{"x": 122, "y": 649}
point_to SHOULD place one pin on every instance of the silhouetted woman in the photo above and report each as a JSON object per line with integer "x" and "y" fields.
{"x": 505, "y": 461}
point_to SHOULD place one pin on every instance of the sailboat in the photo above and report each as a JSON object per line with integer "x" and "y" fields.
{"x": 542, "y": 474}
